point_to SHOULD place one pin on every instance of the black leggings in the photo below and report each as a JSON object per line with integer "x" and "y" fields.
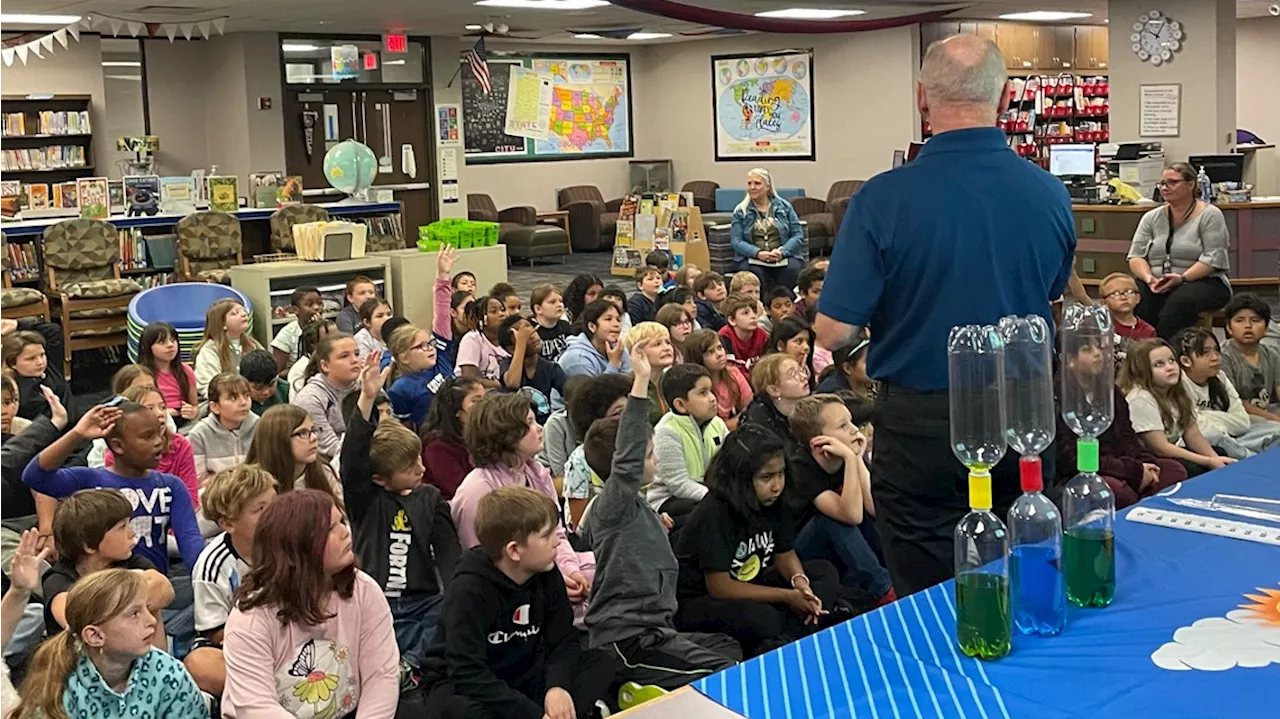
{"x": 591, "y": 682}
{"x": 1181, "y": 307}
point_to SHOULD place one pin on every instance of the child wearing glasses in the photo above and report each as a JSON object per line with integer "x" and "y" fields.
{"x": 1120, "y": 294}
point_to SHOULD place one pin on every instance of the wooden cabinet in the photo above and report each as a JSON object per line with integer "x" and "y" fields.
{"x": 1091, "y": 47}
{"x": 1018, "y": 45}
{"x": 1027, "y": 48}
{"x": 1055, "y": 47}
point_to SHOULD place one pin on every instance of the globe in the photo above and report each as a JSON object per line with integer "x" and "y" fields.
{"x": 350, "y": 166}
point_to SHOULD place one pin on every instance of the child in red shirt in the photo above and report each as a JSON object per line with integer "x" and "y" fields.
{"x": 1120, "y": 294}
{"x": 742, "y": 337}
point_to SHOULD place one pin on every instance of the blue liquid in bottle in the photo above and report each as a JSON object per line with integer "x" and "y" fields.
{"x": 1039, "y": 592}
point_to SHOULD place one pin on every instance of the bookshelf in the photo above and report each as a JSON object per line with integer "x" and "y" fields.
{"x": 47, "y": 138}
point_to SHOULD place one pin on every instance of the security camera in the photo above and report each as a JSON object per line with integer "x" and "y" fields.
{"x": 1274, "y": 10}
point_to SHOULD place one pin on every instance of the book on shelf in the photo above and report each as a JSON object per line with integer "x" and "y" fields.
{"x": 38, "y": 196}
{"x": 15, "y": 124}
{"x": 290, "y": 191}
{"x": 133, "y": 249}
{"x": 93, "y": 198}
{"x": 264, "y": 188}
{"x": 223, "y": 195}
{"x": 49, "y": 157}
{"x": 10, "y": 197}
{"x": 64, "y": 123}
{"x": 142, "y": 194}
{"x": 115, "y": 195}
{"x": 65, "y": 196}
{"x": 178, "y": 195}
{"x": 22, "y": 261}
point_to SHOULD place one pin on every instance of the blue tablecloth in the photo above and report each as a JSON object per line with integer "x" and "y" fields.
{"x": 902, "y": 660}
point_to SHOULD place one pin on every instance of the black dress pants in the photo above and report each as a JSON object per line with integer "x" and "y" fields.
{"x": 1181, "y": 307}
{"x": 591, "y": 682}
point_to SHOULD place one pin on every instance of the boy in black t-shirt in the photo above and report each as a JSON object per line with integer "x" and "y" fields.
{"x": 548, "y": 314}
{"x": 92, "y": 531}
{"x": 527, "y": 370}
{"x": 830, "y": 495}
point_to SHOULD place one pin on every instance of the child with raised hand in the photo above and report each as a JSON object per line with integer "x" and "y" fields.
{"x": 24, "y": 356}
{"x": 373, "y": 315}
{"x": 266, "y": 387}
{"x": 548, "y": 315}
{"x": 226, "y": 340}
{"x": 359, "y": 290}
{"x": 307, "y": 305}
{"x": 312, "y": 334}
{"x": 657, "y": 342}
{"x": 684, "y": 441}
{"x": 23, "y": 572}
{"x": 598, "y": 349}
{"x": 444, "y": 453}
{"x": 640, "y": 305}
{"x": 448, "y": 308}
{"x": 1161, "y": 409}
{"x": 234, "y": 499}
{"x": 633, "y": 602}
{"x": 709, "y": 291}
{"x": 504, "y": 439}
{"x": 479, "y": 352}
{"x": 105, "y": 664}
{"x": 285, "y": 445}
{"x": 416, "y": 374}
{"x": 221, "y": 440}
{"x": 526, "y": 370}
{"x": 310, "y": 634}
{"x": 158, "y": 351}
{"x": 136, "y": 439}
{"x": 779, "y": 381}
{"x": 93, "y": 533}
{"x": 176, "y": 456}
{"x": 1254, "y": 367}
{"x": 20, "y": 505}
{"x": 733, "y": 392}
{"x": 505, "y": 645}
{"x": 742, "y": 337}
{"x": 793, "y": 337}
{"x": 1219, "y": 412}
{"x": 581, "y": 291}
{"x": 403, "y": 531}
{"x": 332, "y": 375}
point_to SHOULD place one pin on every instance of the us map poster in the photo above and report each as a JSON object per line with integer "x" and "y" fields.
{"x": 585, "y": 112}
{"x": 762, "y": 106}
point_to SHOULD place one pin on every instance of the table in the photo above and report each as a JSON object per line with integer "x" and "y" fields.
{"x": 556, "y": 217}
{"x": 902, "y": 661}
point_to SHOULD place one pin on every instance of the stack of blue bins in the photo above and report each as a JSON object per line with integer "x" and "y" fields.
{"x": 182, "y": 305}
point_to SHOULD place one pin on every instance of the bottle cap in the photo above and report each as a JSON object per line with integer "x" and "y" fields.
{"x": 980, "y": 490}
{"x": 1030, "y": 475}
{"x": 1087, "y": 455}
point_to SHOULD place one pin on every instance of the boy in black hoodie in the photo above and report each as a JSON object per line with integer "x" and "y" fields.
{"x": 506, "y": 646}
{"x": 404, "y": 533}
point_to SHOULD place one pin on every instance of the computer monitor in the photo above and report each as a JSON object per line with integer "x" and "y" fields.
{"x": 1072, "y": 160}
{"x": 1219, "y": 168}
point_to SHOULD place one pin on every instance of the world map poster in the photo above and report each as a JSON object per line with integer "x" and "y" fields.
{"x": 587, "y": 112}
{"x": 763, "y": 106}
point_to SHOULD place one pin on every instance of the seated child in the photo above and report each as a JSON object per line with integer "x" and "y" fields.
{"x": 334, "y": 369}
{"x": 312, "y": 334}
{"x": 160, "y": 501}
{"x": 742, "y": 337}
{"x": 526, "y": 370}
{"x": 1120, "y": 295}
{"x": 618, "y": 299}
{"x": 661, "y": 356}
{"x": 108, "y": 643}
{"x": 661, "y": 261}
{"x": 746, "y": 283}
{"x": 793, "y": 337}
{"x": 504, "y": 440}
{"x": 373, "y": 315}
{"x": 640, "y": 306}
{"x": 687, "y": 275}
{"x": 266, "y": 387}
{"x": 463, "y": 282}
{"x": 23, "y": 440}
{"x": 92, "y": 531}
{"x": 479, "y": 353}
{"x": 739, "y": 573}
{"x": 548, "y": 315}
{"x": 506, "y": 294}
{"x": 416, "y": 374}
{"x": 779, "y": 381}
{"x": 25, "y": 357}
{"x": 848, "y": 373}
{"x": 221, "y": 440}
{"x": 444, "y": 454}
{"x": 708, "y": 292}
{"x": 1219, "y": 412}
{"x": 684, "y": 441}
{"x": 234, "y": 499}
{"x": 176, "y": 456}
{"x": 633, "y": 604}
{"x": 306, "y": 305}
{"x": 817, "y": 263}
{"x": 1161, "y": 409}
{"x": 285, "y": 446}
{"x": 1254, "y": 367}
{"x": 777, "y": 305}
{"x": 809, "y": 285}
{"x": 679, "y": 323}
{"x": 158, "y": 351}
{"x": 449, "y": 322}
{"x": 359, "y": 290}
{"x": 125, "y": 378}
{"x": 733, "y": 392}
{"x": 829, "y": 494}
{"x": 226, "y": 340}
{"x": 595, "y": 398}
{"x": 598, "y": 348}
{"x": 505, "y": 645}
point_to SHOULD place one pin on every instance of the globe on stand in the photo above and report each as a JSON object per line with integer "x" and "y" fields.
{"x": 350, "y": 167}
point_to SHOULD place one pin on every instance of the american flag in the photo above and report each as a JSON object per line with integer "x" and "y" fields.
{"x": 479, "y": 63}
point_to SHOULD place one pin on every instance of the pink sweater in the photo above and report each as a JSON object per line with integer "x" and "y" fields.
{"x": 168, "y": 386}
{"x": 483, "y": 480}
{"x": 277, "y": 671}
{"x": 179, "y": 461}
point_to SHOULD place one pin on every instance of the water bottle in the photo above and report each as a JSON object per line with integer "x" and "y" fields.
{"x": 1088, "y": 406}
{"x": 1204, "y": 185}
{"x": 1036, "y": 585}
{"x": 976, "y": 370}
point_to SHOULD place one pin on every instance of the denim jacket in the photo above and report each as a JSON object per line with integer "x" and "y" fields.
{"x": 788, "y": 227}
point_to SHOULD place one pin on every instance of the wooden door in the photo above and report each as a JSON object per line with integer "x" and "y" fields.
{"x": 392, "y": 120}
{"x": 329, "y": 105}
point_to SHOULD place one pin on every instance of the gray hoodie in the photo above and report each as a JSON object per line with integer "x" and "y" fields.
{"x": 582, "y": 357}
{"x": 216, "y": 448}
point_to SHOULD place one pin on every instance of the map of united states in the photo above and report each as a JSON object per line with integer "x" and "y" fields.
{"x": 581, "y": 117}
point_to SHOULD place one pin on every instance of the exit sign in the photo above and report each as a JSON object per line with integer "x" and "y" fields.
{"x": 371, "y": 61}
{"x": 393, "y": 43}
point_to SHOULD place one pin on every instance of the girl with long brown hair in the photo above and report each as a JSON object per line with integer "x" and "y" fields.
{"x": 733, "y": 393}
{"x": 331, "y": 376}
{"x": 226, "y": 339}
{"x": 285, "y": 445}
{"x": 310, "y": 635}
{"x": 107, "y": 642}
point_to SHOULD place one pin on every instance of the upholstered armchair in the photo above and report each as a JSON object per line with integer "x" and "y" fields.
{"x": 704, "y": 194}
{"x": 480, "y": 208}
{"x": 593, "y": 223}
{"x": 824, "y": 216}
{"x": 283, "y": 220}
{"x": 209, "y": 245}
{"x": 19, "y": 302}
{"x": 82, "y": 272}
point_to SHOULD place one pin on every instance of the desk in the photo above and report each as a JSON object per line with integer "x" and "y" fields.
{"x": 901, "y": 660}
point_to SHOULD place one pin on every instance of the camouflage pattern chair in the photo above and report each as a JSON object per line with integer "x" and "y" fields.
{"x": 82, "y": 272}
{"x": 283, "y": 220}
{"x": 209, "y": 245}
{"x": 19, "y": 302}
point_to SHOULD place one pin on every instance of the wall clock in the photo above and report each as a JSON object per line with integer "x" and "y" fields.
{"x": 1156, "y": 38}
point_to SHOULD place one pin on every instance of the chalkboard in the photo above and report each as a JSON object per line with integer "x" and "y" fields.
{"x": 484, "y": 116}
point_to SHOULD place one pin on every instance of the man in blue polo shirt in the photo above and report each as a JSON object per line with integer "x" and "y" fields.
{"x": 966, "y": 233}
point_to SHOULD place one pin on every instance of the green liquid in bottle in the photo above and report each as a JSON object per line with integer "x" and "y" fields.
{"x": 1089, "y": 563}
{"x": 983, "y": 621}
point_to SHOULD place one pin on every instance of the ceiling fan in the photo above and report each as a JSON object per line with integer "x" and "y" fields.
{"x": 501, "y": 29}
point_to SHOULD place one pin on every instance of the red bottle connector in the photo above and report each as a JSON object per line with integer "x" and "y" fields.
{"x": 1029, "y": 474}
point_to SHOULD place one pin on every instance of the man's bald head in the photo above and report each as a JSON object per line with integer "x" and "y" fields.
{"x": 963, "y": 70}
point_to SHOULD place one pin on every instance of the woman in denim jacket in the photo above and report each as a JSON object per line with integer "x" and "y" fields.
{"x": 766, "y": 236}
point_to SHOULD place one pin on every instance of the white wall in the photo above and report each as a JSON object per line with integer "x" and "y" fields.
{"x": 178, "y": 113}
{"x": 1257, "y": 57}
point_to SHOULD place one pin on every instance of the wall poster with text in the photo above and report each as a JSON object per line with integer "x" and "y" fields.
{"x": 762, "y": 106}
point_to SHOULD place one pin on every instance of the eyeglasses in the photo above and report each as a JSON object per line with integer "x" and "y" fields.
{"x": 1169, "y": 183}
{"x": 684, "y": 322}
{"x": 799, "y": 375}
{"x": 1120, "y": 294}
{"x": 429, "y": 344}
{"x": 307, "y": 433}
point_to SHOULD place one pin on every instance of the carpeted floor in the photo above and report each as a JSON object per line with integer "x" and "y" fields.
{"x": 525, "y": 278}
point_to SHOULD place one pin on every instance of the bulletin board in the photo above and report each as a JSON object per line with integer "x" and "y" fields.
{"x": 668, "y": 222}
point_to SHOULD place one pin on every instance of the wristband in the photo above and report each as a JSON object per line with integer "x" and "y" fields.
{"x": 799, "y": 575}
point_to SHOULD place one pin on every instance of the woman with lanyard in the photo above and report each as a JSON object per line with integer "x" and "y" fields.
{"x": 1179, "y": 256}
{"x": 766, "y": 234}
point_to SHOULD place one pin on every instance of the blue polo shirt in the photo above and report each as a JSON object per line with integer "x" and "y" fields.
{"x": 966, "y": 233}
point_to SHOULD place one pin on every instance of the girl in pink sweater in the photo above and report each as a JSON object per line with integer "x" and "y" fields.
{"x": 504, "y": 438}
{"x": 310, "y": 635}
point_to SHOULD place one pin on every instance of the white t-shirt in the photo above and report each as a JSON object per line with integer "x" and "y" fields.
{"x": 1216, "y": 424}
{"x": 1144, "y": 415}
{"x": 286, "y": 340}
{"x": 296, "y": 374}
{"x": 215, "y": 577}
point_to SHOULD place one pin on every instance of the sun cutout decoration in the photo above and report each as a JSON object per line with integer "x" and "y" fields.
{"x": 1267, "y": 607}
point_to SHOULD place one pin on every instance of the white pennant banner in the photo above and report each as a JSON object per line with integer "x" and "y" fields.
{"x": 88, "y": 22}
{"x": 61, "y": 37}
{"x": 220, "y": 25}
{"x": 134, "y": 27}
{"x": 205, "y": 28}
{"x": 74, "y": 32}
{"x": 35, "y": 47}
{"x": 187, "y": 28}
{"x": 46, "y": 42}
{"x": 8, "y": 56}
{"x": 115, "y": 26}
{"x": 170, "y": 30}
{"x": 22, "y": 53}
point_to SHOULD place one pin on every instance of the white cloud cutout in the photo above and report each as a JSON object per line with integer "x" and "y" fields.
{"x": 1240, "y": 639}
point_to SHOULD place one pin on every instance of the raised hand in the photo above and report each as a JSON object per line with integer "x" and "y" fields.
{"x": 98, "y": 422}
{"x": 25, "y": 571}
{"x": 372, "y": 377}
{"x": 639, "y": 359}
{"x": 444, "y": 261}
{"x": 57, "y": 413}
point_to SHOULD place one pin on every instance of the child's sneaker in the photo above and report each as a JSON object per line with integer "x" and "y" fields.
{"x": 409, "y": 678}
{"x": 632, "y": 694}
